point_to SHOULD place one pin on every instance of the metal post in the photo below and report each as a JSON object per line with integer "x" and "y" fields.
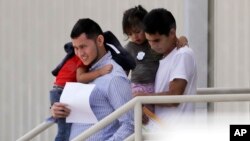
{"x": 138, "y": 121}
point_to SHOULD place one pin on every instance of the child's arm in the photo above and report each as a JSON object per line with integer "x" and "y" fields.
{"x": 182, "y": 41}
{"x": 84, "y": 77}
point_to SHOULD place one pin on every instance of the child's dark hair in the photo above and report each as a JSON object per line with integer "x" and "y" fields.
{"x": 87, "y": 26}
{"x": 159, "y": 21}
{"x": 133, "y": 17}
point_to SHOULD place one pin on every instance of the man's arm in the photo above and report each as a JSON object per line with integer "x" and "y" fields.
{"x": 176, "y": 87}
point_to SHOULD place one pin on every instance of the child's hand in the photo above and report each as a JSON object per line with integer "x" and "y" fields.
{"x": 106, "y": 69}
{"x": 182, "y": 41}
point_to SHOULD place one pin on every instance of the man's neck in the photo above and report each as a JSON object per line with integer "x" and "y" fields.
{"x": 171, "y": 48}
{"x": 98, "y": 63}
{"x": 168, "y": 51}
{"x": 101, "y": 51}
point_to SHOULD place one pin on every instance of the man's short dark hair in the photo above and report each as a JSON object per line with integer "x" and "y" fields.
{"x": 87, "y": 26}
{"x": 159, "y": 21}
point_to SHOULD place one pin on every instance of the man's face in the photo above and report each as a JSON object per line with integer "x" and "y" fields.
{"x": 85, "y": 49}
{"x": 160, "y": 43}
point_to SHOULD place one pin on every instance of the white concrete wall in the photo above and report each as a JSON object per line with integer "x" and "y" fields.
{"x": 231, "y": 50}
{"x": 196, "y": 29}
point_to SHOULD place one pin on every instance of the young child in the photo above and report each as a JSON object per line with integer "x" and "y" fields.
{"x": 71, "y": 69}
{"x": 147, "y": 60}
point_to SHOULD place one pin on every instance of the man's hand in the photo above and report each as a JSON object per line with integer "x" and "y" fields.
{"x": 140, "y": 94}
{"x": 59, "y": 110}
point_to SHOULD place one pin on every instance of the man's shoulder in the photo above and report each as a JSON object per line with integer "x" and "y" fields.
{"x": 185, "y": 50}
{"x": 117, "y": 71}
{"x": 117, "y": 75}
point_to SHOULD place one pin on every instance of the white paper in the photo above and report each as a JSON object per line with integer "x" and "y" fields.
{"x": 76, "y": 96}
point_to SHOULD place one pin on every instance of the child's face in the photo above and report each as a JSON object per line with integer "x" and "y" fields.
{"x": 137, "y": 36}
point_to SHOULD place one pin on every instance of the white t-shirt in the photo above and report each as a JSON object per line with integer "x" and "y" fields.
{"x": 177, "y": 64}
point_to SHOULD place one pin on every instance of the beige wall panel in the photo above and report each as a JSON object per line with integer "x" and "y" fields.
{"x": 232, "y": 33}
{"x": 231, "y": 50}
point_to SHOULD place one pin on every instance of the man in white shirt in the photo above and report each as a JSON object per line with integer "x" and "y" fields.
{"x": 177, "y": 74}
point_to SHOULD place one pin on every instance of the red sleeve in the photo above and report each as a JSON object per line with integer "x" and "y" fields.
{"x": 80, "y": 64}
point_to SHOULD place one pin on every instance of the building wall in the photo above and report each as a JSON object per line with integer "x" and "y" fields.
{"x": 32, "y": 35}
{"x": 230, "y": 51}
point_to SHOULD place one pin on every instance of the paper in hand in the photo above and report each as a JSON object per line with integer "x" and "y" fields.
{"x": 76, "y": 96}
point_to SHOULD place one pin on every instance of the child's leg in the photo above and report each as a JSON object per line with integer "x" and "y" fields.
{"x": 55, "y": 95}
{"x": 146, "y": 88}
{"x": 63, "y": 131}
{"x": 63, "y": 127}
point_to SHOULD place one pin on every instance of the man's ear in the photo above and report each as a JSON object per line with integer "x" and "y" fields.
{"x": 172, "y": 32}
{"x": 100, "y": 40}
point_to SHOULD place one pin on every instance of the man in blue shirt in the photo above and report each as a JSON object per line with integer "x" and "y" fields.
{"x": 112, "y": 90}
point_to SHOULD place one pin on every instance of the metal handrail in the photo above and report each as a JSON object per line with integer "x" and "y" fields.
{"x": 180, "y": 99}
{"x": 37, "y": 130}
{"x": 201, "y": 91}
{"x": 137, "y": 101}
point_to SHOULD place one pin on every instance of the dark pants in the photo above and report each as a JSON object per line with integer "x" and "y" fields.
{"x": 63, "y": 131}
